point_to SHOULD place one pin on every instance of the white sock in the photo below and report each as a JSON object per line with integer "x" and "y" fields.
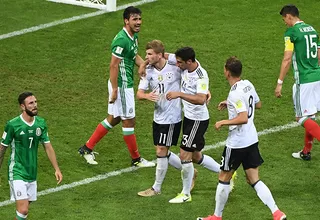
{"x": 187, "y": 175}
{"x": 174, "y": 160}
{"x": 161, "y": 170}
{"x": 20, "y": 215}
{"x": 209, "y": 163}
{"x": 222, "y": 194}
{"x": 265, "y": 195}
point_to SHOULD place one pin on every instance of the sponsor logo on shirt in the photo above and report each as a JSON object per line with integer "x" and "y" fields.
{"x": 238, "y": 104}
{"x": 119, "y": 50}
{"x": 4, "y": 135}
{"x": 203, "y": 86}
{"x": 22, "y": 133}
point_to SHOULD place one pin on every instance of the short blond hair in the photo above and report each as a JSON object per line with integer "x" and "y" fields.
{"x": 156, "y": 45}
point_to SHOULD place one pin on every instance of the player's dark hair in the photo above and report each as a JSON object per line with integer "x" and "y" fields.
{"x": 186, "y": 53}
{"x": 131, "y": 11}
{"x": 23, "y": 96}
{"x": 156, "y": 45}
{"x": 289, "y": 9}
{"x": 234, "y": 65}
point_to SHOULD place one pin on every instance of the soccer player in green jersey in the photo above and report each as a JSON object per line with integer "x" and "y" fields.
{"x": 23, "y": 134}
{"x": 120, "y": 85}
{"x": 302, "y": 47}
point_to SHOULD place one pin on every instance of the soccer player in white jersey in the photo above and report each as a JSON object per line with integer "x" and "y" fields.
{"x": 161, "y": 77}
{"x": 194, "y": 90}
{"x": 242, "y": 142}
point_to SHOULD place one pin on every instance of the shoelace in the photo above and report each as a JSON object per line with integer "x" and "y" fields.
{"x": 93, "y": 153}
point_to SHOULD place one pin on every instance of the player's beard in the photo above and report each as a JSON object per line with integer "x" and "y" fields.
{"x": 30, "y": 113}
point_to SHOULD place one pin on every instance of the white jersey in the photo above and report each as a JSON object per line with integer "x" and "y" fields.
{"x": 193, "y": 83}
{"x": 242, "y": 98}
{"x": 163, "y": 81}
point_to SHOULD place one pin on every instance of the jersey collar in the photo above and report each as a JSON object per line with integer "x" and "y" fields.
{"x": 125, "y": 30}
{"x": 298, "y": 22}
{"x": 29, "y": 124}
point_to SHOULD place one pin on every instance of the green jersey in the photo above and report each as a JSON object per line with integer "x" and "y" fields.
{"x": 125, "y": 47}
{"x": 305, "y": 55}
{"x": 24, "y": 139}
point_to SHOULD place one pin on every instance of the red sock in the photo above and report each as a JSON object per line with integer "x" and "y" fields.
{"x": 308, "y": 140}
{"x": 312, "y": 128}
{"x": 132, "y": 145}
{"x": 99, "y": 133}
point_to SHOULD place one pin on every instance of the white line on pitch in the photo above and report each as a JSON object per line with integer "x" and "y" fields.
{"x": 67, "y": 20}
{"x": 130, "y": 169}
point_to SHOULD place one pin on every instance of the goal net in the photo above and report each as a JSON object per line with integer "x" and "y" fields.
{"x": 109, "y": 5}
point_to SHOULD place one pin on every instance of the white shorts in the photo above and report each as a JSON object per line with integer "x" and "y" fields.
{"x": 306, "y": 98}
{"x": 124, "y": 105}
{"x": 20, "y": 190}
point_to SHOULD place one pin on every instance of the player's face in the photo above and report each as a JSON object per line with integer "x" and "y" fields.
{"x": 30, "y": 106}
{"x": 152, "y": 56}
{"x": 287, "y": 20}
{"x": 183, "y": 65}
{"x": 134, "y": 22}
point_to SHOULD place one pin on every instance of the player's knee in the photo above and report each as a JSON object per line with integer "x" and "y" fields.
{"x": 162, "y": 151}
{"x": 197, "y": 157}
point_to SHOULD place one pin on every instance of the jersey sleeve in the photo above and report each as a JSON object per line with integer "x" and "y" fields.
{"x": 203, "y": 85}
{"x": 143, "y": 84}
{"x": 118, "y": 47}
{"x": 8, "y": 134}
{"x": 44, "y": 134}
{"x": 172, "y": 59}
{"x": 289, "y": 40}
{"x": 238, "y": 103}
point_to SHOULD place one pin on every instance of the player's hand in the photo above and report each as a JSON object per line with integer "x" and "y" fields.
{"x": 114, "y": 95}
{"x": 277, "y": 91}
{"x": 59, "y": 176}
{"x": 222, "y": 105}
{"x": 142, "y": 69}
{"x": 172, "y": 95}
{"x": 218, "y": 125}
{"x": 153, "y": 96}
{"x": 208, "y": 97}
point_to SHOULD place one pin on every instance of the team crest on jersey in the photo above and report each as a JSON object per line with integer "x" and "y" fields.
{"x": 169, "y": 76}
{"x": 38, "y": 131}
{"x": 160, "y": 78}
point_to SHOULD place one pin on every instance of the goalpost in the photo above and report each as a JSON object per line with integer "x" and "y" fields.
{"x": 110, "y": 5}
